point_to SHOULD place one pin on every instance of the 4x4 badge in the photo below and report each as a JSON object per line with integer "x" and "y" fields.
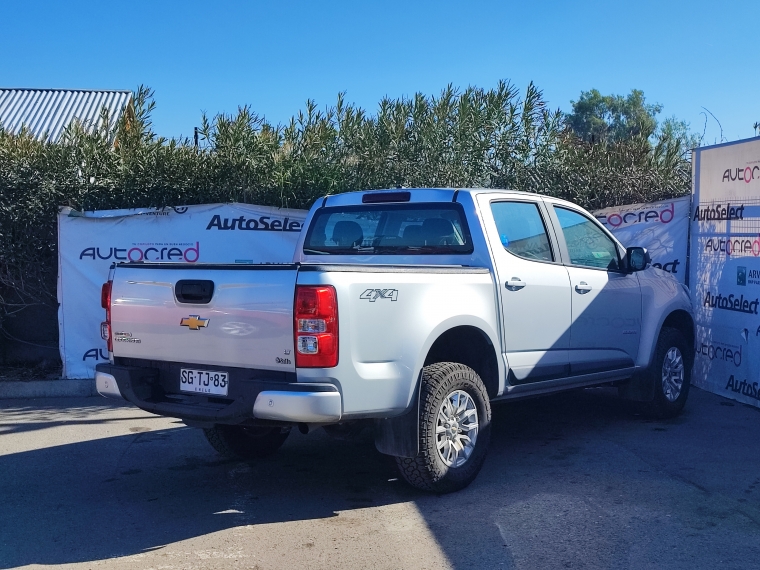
{"x": 194, "y": 322}
{"x": 373, "y": 295}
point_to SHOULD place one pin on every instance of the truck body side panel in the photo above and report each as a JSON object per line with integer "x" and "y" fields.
{"x": 389, "y": 320}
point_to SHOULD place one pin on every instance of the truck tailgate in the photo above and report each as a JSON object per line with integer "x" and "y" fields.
{"x": 247, "y": 323}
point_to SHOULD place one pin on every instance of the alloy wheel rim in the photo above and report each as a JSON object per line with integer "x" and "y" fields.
{"x": 456, "y": 429}
{"x": 672, "y": 374}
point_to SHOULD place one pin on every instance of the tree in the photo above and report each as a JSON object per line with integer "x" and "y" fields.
{"x": 612, "y": 118}
{"x": 679, "y": 133}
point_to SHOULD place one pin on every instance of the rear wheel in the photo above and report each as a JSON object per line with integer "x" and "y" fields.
{"x": 246, "y": 442}
{"x": 454, "y": 429}
{"x": 671, "y": 371}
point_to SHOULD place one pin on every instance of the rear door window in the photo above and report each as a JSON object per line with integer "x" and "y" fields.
{"x": 388, "y": 229}
{"x": 521, "y": 230}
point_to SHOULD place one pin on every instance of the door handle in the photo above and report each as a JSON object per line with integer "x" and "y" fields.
{"x": 514, "y": 284}
{"x": 583, "y": 287}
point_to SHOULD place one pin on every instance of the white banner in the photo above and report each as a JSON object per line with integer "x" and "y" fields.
{"x": 89, "y": 243}
{"x": 725, "y": 269}
{"x": 661, "y": 227}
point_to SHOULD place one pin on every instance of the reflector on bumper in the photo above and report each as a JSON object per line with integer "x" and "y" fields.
{"x": 306, "y": 407}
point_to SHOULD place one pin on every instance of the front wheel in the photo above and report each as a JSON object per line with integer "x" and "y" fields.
{"x": 246, "y": 442}
{"x": 671, "y": 371}
{"x": 454, "y": 429}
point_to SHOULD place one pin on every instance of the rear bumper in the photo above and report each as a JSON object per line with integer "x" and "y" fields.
{"x": 253, "y": 399}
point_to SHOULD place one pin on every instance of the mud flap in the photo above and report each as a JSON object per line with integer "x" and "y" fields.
{"x": 400, "y": 435}
{"x": 640, "y": 388}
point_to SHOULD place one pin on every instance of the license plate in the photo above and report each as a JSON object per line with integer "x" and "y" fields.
{"x": 204, "y": 381}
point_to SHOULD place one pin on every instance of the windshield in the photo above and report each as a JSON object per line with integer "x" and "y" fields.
{"x": 400, "y": 229}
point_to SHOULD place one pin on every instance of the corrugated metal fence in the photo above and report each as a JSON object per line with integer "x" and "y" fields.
{"x": 47, "y": 112}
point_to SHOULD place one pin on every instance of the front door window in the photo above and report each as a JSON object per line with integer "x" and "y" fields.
{"x": 587, "y": 244}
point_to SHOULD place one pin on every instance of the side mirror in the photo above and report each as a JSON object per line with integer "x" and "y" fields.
{"x": 637, "y": 258}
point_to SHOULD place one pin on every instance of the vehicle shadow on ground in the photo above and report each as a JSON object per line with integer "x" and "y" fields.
{"x": 573, "y": 479}
{"x": 125, "y": 495}
{"x": 585, "y": 480}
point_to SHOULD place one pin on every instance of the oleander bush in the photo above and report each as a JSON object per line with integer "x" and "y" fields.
{"x": 471, "y": 138}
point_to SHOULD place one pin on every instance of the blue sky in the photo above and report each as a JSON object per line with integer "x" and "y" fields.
{"x": 215, "y": 56}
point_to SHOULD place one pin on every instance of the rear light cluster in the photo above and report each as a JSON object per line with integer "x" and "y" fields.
{"x": 316, "y": 326}
{"x": 105, "y": 302}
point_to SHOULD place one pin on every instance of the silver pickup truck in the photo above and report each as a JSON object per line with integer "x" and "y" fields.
{"x": 411, "y": 310}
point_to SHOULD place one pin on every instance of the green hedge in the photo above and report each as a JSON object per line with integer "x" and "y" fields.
{"x": 471, "y": 138}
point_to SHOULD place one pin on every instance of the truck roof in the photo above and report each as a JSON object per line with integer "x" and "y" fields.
{"x": 411, "y": 195}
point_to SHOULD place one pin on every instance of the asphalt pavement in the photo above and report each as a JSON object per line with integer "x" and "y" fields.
{"x": 577, "y": 480}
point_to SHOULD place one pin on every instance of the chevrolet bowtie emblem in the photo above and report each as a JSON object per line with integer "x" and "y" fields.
{"x": 194, "y": 322}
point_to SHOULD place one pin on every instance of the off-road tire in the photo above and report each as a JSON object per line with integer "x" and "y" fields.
{"x": 661, "y": 407}
{"x": 246, "y": 442}
{"x": 427, "y": 471}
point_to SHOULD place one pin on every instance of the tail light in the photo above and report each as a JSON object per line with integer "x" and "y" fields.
{"x": 105, "y": 302}
{"x": 316, "y": 326}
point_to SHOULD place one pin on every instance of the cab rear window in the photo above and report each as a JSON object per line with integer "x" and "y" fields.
{"x": 389, "y": 229}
